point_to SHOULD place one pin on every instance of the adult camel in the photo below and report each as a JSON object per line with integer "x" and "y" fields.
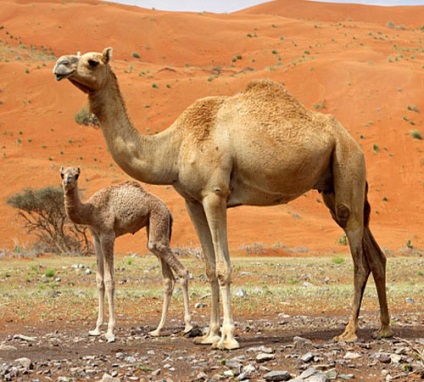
{"x": 259, "y": 147}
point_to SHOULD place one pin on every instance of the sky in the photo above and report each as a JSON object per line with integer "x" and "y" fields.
{"x": 220, "y": 6}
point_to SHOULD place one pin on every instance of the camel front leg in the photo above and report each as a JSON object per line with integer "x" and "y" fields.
{"x": 107, "y": 243}
{"x": 168, "y": 287}
{"x": 198, "y": 217}
{"x": 215, "y": 206}
{"x": 100, "y": 286}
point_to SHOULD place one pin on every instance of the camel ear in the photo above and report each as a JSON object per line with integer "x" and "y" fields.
{"x": 107, "y": 55}
{"x": 62, "y": 172}
{"x": 78, "y": 170}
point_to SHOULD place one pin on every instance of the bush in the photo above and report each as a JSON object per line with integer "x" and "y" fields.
{"x": 44, "y": 213}
{"x": 85, "y": 117}
{"x": 416, "y": 135}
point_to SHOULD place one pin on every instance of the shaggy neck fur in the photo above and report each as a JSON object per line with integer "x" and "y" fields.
{"x": 77, "y": 211}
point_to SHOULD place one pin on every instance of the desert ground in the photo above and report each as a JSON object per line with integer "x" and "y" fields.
{"x": 363, "y": 64}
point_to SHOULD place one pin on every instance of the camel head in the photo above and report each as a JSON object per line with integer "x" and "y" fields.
{"x": 69, "y": 177}
{"x": 88, "y": 72}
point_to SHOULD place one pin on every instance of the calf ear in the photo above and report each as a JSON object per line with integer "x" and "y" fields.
{"x": 107, "y": 55}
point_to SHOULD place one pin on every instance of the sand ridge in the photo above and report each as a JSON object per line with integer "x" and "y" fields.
{"x": 363, "y": 64}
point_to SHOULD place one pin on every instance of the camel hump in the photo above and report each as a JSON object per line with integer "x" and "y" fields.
{"x": 265, "y": 85}
{"x": 274, "y": 102}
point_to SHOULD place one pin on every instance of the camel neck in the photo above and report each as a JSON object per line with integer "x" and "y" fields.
{"x": 75, "y": 209}
{"x": 148, "y": 158}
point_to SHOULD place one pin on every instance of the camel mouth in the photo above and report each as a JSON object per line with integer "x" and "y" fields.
{"x": 60, "y": 76}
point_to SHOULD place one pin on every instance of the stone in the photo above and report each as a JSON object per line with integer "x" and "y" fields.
{"x": 300, "y": 342}
{"x": 4, "y": 347}
{"x": 24, "y": 338}
{"x": 308, "y": 357}
{"x": 277, "y": 375}
{"x": 108, "y": 378}
{"x": 262, "y": 349}
{"x": 352, "y": 355}
{"x": 26, "y": 363}
{"x": 240, "y": 292}
{"x": 312, "y": 375}
{"x": 264, "y": 357}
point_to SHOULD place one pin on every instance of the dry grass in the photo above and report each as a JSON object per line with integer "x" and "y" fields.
{"x": 296, "y": 285}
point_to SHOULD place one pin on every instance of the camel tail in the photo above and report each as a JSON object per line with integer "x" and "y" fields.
{"x": 171, "y": 221}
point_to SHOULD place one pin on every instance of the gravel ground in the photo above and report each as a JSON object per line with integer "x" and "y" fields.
{"x": 273, "y": 348}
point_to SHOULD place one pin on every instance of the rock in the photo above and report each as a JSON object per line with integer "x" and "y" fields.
{"x": 156, "y": 372}
{"x": 308, "y": 357}
{"x": 277, "y": 375}
{"x": 108, "y": 378}
{"x": 199, "y": 305}
{"x": 395, "y": 358}
{"x": 25, "y": 363}
{"x": 202, "y": 376}
{"x": 88, "y": 271}
{"x": 312, "y": 375}
{"x": 409, "y": 300}
{"x": 239, "y": 292}
{"x": 4, "y": 347}
{"x": 262, "y": 349}
{"x": 24, "y": 338}
{"x": 352, "y": 355}
{"x": 300, "y": 342}
{"x": 235, "y": 365}
{"x": 247, "y": 372}
{"x": 264, "y": 357}
{"x": 331, "y": 374}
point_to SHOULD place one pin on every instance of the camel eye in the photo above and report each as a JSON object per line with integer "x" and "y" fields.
{"x": 93, "y": 63}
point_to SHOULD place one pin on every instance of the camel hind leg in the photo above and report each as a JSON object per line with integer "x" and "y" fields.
{"x": 350, "y": 209}
{"x": 377, "y": 262}
{"x": 354, "y": 232}
{"x": 159, "y": 235}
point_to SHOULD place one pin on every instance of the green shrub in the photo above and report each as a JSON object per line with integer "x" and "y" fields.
{"x": 416, "y": 135}
{"x": 44, "y": 214}
{"x": 85, "y": 117}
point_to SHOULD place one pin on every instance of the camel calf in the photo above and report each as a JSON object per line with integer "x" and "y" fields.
{"x": 114, "y": 211}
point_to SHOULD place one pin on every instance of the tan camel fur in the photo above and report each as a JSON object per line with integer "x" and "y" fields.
{"x": 115, "y": 211}
{"x": 259, "y": 147}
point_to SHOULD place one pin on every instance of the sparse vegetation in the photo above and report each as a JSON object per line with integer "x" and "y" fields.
{"x": 416, "y": 135}
{"x": 321, "y": 105}
{"x": 135, "y": 55}
{"x": 85, "y": 117}
{"x": 44, "y": 215}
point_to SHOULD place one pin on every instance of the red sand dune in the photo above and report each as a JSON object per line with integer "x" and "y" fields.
{"x": 363, "y": 64}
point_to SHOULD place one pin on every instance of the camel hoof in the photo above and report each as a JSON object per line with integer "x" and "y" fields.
{"x": 226, "y": 345}
{"x": 346, "y": 337}
{"x": 110, "y": 338}
{"x": 188, "y": 329}
{"x": 207, "y": 340}
{"x": 95, "y": 332}
{"x": 155, "y": 333}
{"x": 383, "y": 333}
